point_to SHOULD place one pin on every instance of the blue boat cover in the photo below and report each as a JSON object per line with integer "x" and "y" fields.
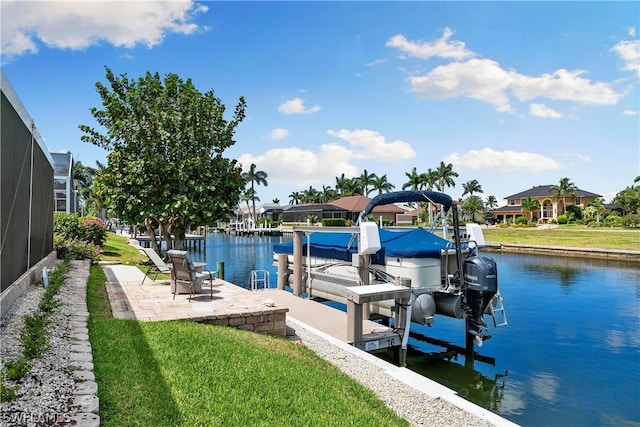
{"x": 416, "y": 243}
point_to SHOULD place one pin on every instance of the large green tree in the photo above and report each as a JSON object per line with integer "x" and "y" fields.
{"x": 629, "y": 199}
{"x": 257, "y": 177}
{"x": 166, "y": 141}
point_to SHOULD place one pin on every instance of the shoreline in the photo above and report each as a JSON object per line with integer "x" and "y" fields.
{"x": 599, "y": 253}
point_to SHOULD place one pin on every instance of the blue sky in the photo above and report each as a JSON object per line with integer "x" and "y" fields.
{"x": 513, "y": 94}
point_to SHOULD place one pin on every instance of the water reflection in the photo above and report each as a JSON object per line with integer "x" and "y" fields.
{"x": 566, "y": 273}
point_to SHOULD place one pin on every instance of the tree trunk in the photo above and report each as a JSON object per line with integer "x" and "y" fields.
{"x": 152, "y": 235}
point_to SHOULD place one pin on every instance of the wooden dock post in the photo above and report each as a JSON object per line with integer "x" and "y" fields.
{"x": 282, "y": 271}
{"x": 297, "y": 263}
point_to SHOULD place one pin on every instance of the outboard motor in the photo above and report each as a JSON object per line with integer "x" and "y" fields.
{"x": 480, "y": 285}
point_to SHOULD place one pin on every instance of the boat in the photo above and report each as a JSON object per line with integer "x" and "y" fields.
{"x": 446, "y": 273}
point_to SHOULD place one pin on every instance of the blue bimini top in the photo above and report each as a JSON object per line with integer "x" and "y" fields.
{"x": 416, "y": 243}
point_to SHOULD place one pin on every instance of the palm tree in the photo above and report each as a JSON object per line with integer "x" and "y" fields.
{"x": 259, "y": 178}
{"x": 310, "y": 195}
{"x": 491, "y": 202}
{"x": 328, "y": 194}
{"x": 530, "y": 205}
{"x": 276, "y": 201}
{"x": 444, "y": 176}
{"x": 471, "y": 187}
{"x": 347, "y": 186}
{"x": 381, "y": 185}
{"x": 416, "y": 181}
{"x": 367, "y": 180}
{"x": 295, "y": 198}
{"x": 563, "y": 189}
{"x": 248, "y": 195}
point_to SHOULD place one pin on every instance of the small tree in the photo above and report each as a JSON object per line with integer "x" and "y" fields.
{"x": 530, "y": 205}
{"x": 166, "y": 139}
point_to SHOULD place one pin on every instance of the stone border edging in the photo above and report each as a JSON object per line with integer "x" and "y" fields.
{"x": 81, "y": 356}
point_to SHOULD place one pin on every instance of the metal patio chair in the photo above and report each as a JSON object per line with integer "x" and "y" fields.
{"x": 185, "y": 273}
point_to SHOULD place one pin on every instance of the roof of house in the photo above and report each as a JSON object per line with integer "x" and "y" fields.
{"x": 314, "y": 207}
{"x": 548, "y": 191}
{"x": 358, "y": 203}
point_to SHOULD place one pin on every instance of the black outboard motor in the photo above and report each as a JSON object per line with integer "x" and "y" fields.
{"x": 480, "y": 285}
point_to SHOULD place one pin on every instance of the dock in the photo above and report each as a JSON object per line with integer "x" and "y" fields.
{"x": 192, "y": 241}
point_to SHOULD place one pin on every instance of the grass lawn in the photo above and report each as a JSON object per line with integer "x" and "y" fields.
{"x": 186, "y": 373}
{"x": 117, "y": 248}
{"x": 568, "y": 236}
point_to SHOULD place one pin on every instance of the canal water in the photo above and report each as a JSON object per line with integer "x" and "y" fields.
{"x": 570, "y": 355}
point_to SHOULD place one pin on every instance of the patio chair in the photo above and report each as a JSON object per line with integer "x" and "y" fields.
{"x": 158, "y": 265}
{"x": 184, "y": 272}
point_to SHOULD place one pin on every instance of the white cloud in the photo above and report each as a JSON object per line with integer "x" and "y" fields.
{"x": 374, "y": 63}
{"x": 278, "y": 133}
{"x": 541, "y": 110}
{"x": 442, "y": 48}
{"x": 77, "y": 25}
{"x": 485, "y": 80}
{"x": 564, "y": 85}
{"x": 632, "y": 31}
{"x": 630, "y": 112}
{"x": 368, "y": 144}
{"x": 296, "y": 106}
{"x": 501, "y": 161}
{"x": 298, "y": 168}
{"x": 481, "y": 79}
{"x": 629, "y": 53}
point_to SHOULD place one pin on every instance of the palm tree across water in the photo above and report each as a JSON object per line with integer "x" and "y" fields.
{"x": 563, "y": 189}
{"x": 259, "y": 178}
{"x": 444, "y": 176}
{"x": 382, "y": 185}
{"x": 367, "y": 180}
{"x": 295, "y": 197}
{"x": 530, "y": 205}
{"x": 491, "y": 202}
{"x": 471, "y": 187}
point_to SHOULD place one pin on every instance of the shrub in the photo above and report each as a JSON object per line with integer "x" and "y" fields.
{"x": 66, "y": 225}
{"x": 504, "y": 225}
{"x": 93, "y": 230}
{"x": 333, "y": 222}
{"x": 562, "y": 219}
{"x": 73, "y": 227}
{"x": 75, "y": 249}
{"x": 631, "y": 220}
{"x": 522, "y": 220}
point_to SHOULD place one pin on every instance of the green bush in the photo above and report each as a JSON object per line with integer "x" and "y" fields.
{"x": 333, "y": 222}
{"x": 522, "y": 220}
{"x": 66, "y": 225}
{"x": 73, "y": 227}
{"x": 75, "y": 249}
{"x": 631, "y": 220}
{"x": 562, "y": 219}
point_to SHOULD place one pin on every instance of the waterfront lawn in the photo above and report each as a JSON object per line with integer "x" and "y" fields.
{"x": 186, "y": 373}
{"x": 117, "y": 248}
{"x": 566, "y": 236}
